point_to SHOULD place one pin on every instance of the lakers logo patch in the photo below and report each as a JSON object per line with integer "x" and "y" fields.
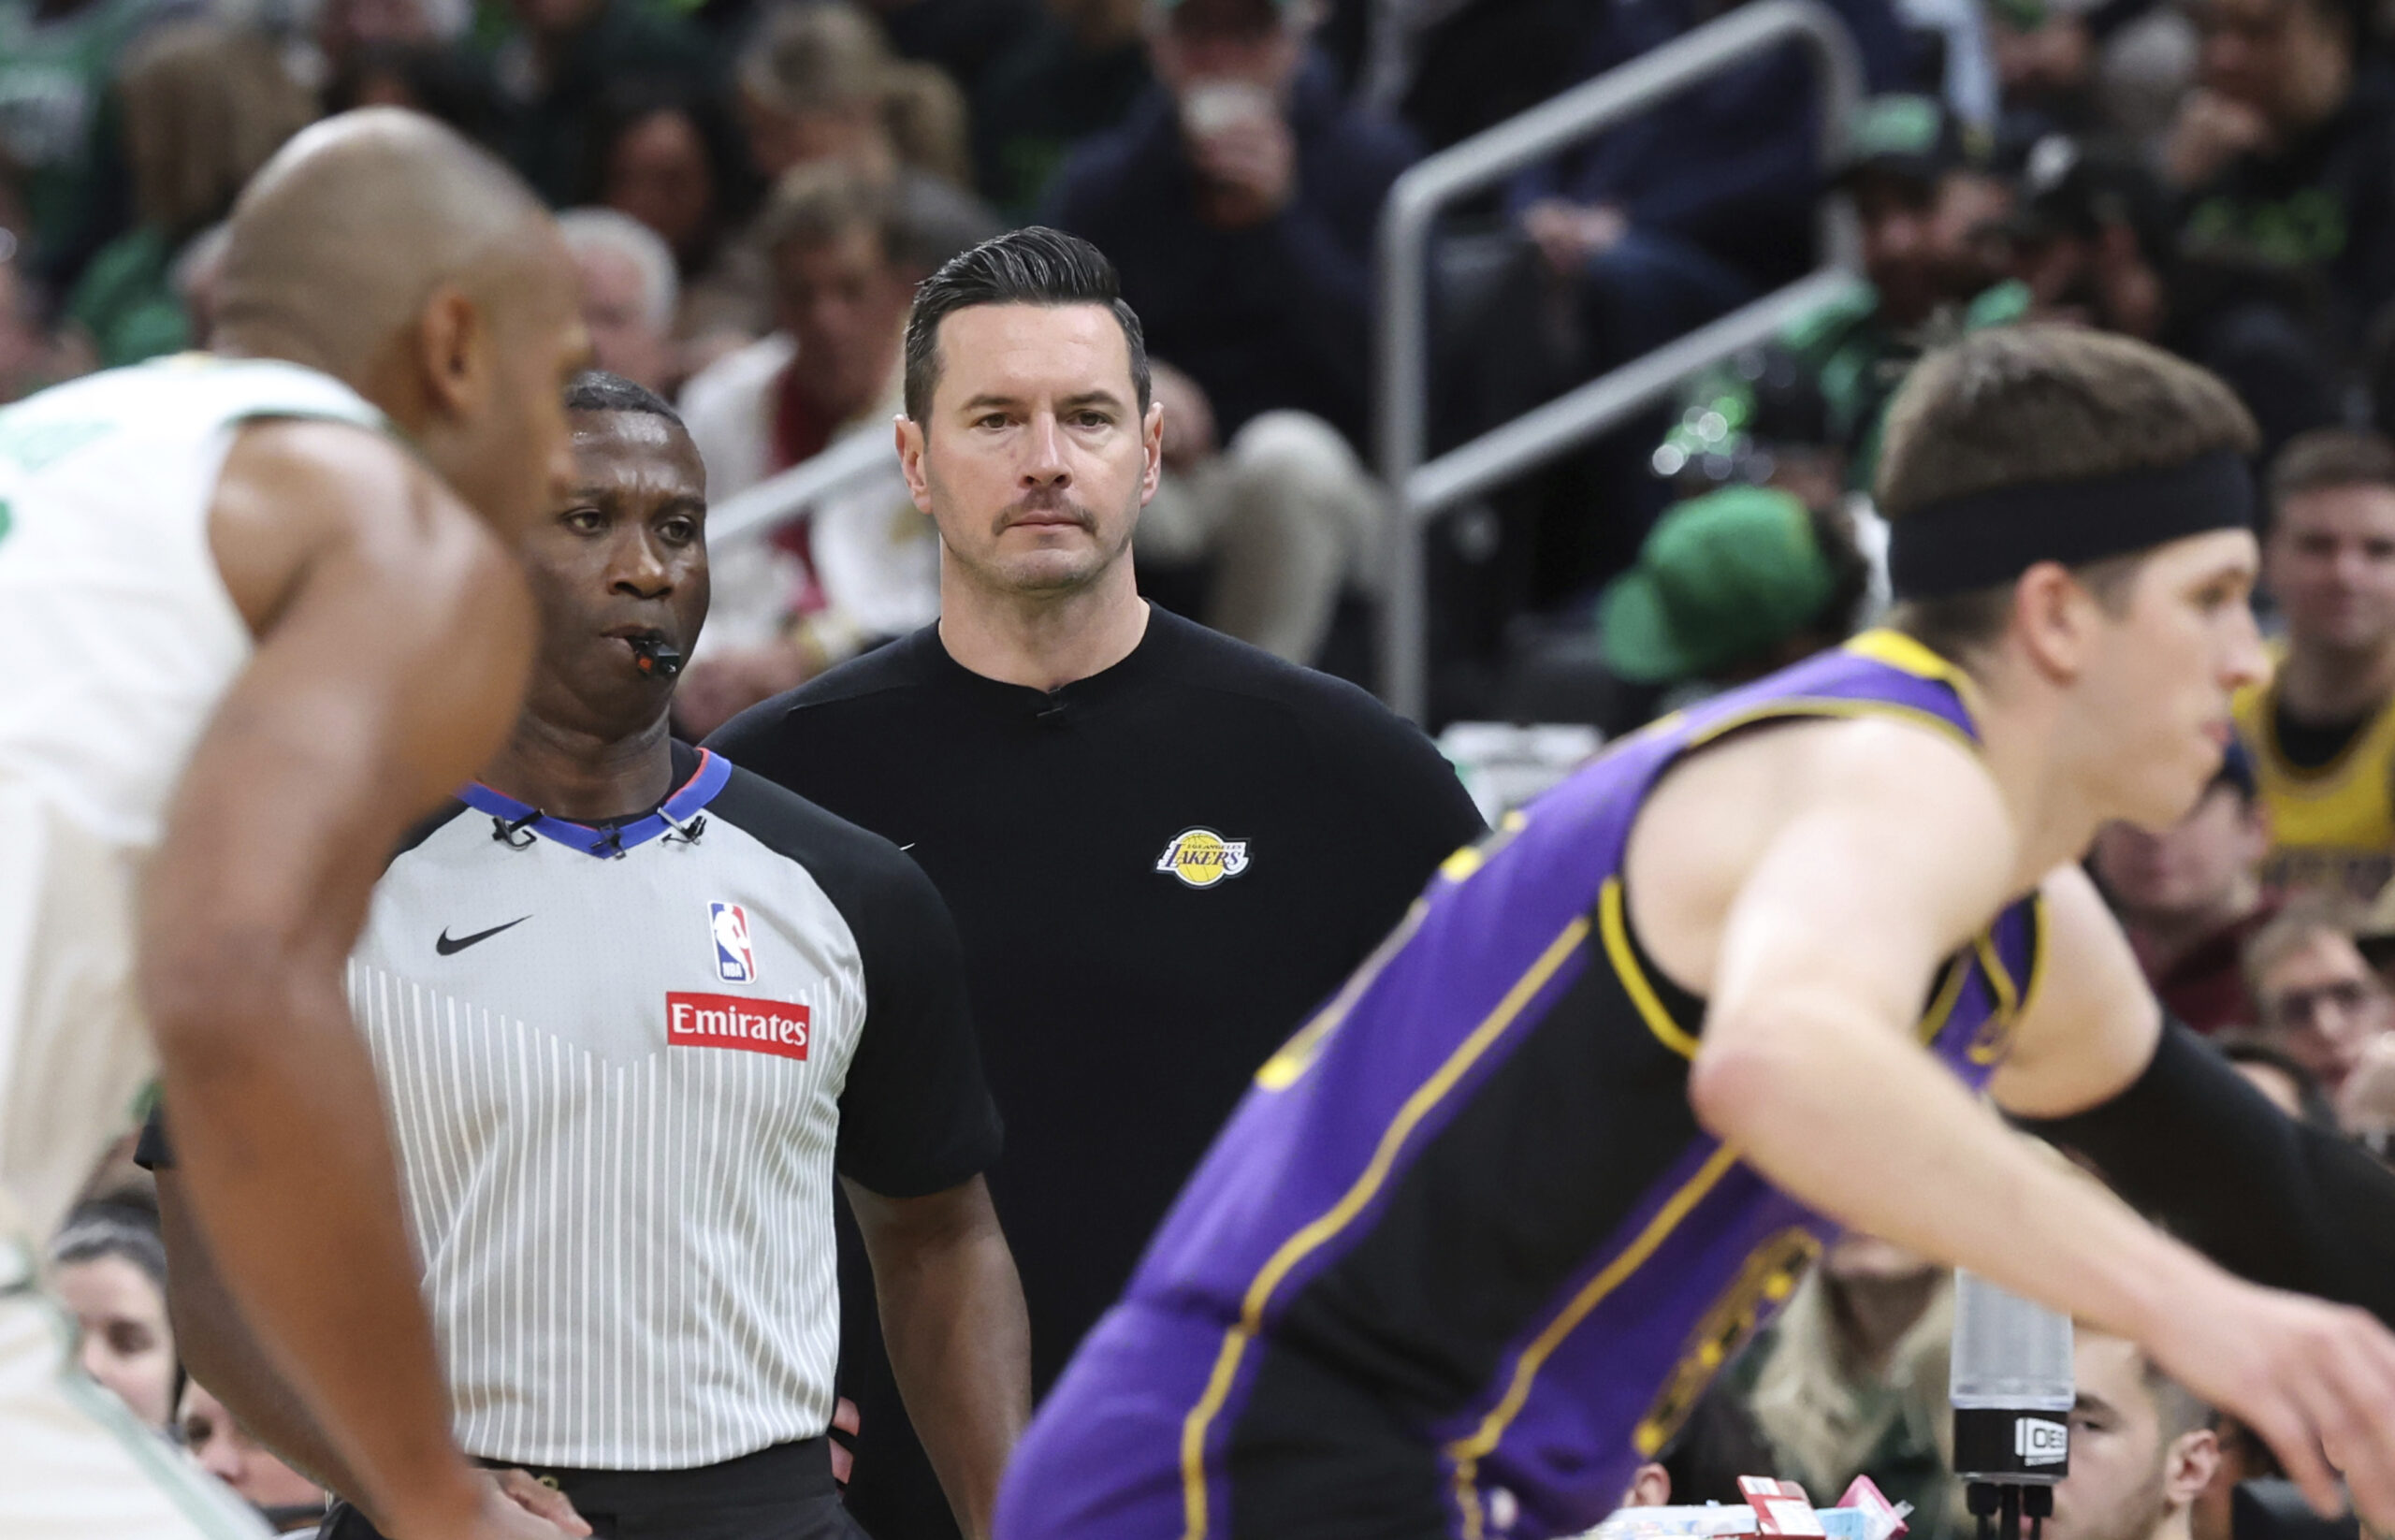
{"x": 1201, "y": 858}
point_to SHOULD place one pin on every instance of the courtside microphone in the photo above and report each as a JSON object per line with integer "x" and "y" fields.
{"x": 2011, "y": 1392}
{"x": 655, "y": 656}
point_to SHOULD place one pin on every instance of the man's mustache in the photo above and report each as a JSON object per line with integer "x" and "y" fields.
{"x": 1046, "y": 500}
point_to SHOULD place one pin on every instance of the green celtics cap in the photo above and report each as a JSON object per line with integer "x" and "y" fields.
{"x": 1719, "y": 577}
{"x": 1908, "y": 136}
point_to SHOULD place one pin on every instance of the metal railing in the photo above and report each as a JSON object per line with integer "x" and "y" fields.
{"x": 1418, "y": 491}
{"x": 861, "y": 457}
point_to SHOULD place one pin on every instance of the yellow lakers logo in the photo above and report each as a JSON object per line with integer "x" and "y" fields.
{"x": 1201, "y": 858}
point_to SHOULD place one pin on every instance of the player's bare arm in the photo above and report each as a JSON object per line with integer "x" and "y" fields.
{"x": 960, "y": 1343}
{"x": 1823, "y": 960}
{"x": 1825, "y": 956}
{"x": 2179, "y": 1133}
{"x": 2308, "y": 1376}
{"x": 393, "y": 640}
{"x": 220, "y": 1352}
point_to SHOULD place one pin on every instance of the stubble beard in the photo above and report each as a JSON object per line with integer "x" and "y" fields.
{"x": 1052, "y": 572}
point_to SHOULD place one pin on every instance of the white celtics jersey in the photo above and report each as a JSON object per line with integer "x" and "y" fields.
{"x": 121, "y": 640}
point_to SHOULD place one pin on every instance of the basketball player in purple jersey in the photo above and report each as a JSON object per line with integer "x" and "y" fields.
{"x": 1485, "y": 1229}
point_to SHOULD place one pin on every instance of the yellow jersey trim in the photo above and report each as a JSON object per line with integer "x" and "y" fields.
{"x": 2037, "y": 952}
{"x": 1613, "y": 927}
{"x": 1830, "y": 705}
{"x": 1342, "y": 1214}
{"x": 1941, "y": 1005}
{"x": 1466, "y": 1452}
{"x": 1297, "y": 1055}
{"x": 1999, "y": 977}
{"x": 1886, "y": 645}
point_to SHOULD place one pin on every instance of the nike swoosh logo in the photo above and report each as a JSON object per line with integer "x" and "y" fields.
{"x": 447, "y": 947}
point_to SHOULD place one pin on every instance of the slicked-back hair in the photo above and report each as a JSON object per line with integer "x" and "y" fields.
{"x": 595, "y": 390}
{"x": 1034, "y": 266}
{"x": 2019, "y": 405}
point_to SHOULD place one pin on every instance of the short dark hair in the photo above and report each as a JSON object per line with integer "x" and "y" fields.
{"x": 595, "y": 390}
{"x": 1036, "y": 266}
{"x": 2017, "y": 405}
{"x": 2331, "y": 456}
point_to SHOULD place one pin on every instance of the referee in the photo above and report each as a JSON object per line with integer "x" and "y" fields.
{"x": 632, "y": 1008}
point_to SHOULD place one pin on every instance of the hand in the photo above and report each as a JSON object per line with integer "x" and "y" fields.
{"x": 498, "y": 1516}
{"x": 1250, "y": 168}
{"x": 2317, "y": 1382}
{"x": 845, "y": 1418}
{"x": 2211, "y": 131}
{"x": 1568, "y": 234}
{"x": 1189, "y": 434}
{"x": 2366, "y": 1102}
{"x": 541, "y": 1501}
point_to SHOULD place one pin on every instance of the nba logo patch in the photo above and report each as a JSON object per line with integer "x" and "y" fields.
{"x": 736, "y": 961}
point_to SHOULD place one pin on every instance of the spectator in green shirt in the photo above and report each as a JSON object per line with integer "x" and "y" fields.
{"x": 57, "y": 131}
{"x": 1933, "y": 216}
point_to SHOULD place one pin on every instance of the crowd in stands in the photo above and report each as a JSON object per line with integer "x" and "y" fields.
{"x": 758, "y": 182}
{"x": 753, "y": 188}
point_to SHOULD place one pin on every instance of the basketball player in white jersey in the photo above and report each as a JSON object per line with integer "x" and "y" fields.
{"x": 260, "y": 616}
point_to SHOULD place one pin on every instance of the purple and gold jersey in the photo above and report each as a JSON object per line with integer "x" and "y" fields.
{"x": 1462, "y": 1257}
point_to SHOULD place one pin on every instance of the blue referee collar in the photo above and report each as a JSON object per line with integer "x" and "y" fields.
{"x": 609, "y": 840}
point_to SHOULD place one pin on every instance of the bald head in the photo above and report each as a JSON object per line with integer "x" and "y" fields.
{"x": 341, "y": 238}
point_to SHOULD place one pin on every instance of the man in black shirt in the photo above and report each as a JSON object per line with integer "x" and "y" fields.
{"x": 1163, "y": 848}
{"x": 2285, "y": 151}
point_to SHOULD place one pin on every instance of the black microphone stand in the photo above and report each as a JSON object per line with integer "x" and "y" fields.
{"x": 2000, "y": 1507}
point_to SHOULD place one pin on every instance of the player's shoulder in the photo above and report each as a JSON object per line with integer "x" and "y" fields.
{"x": 294, "y": 490}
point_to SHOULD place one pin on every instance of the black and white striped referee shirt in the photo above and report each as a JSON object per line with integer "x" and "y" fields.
{"x": 622, "y": 1064}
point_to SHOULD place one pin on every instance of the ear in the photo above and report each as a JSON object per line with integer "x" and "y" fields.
{"x": 1152, "y": 450}
{"x": 2057, "y": 620}
{"x": 1650, "y": 1487}
{"x": 2188, "y": 1466}
{"x": 453, "y": 353}
{"x": 911, "y": 442}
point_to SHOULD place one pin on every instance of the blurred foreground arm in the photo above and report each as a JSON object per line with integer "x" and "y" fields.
{"x": 1807, "y": 1065}
{"x": 393, "y": 640}
{"x": 224, "y": 1355}
{"x": 2191, "y": 1143}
